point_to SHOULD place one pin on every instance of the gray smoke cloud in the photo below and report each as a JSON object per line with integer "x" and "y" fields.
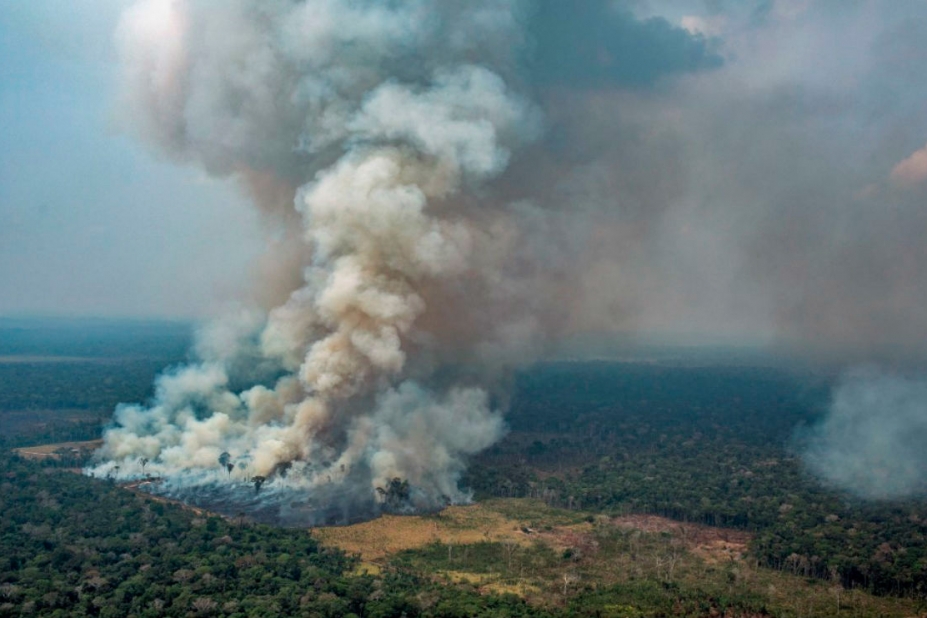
{"x": 376, "y": 123}
{"x": 402, "y": 282}
{"x": 448, "y": 188}
{"x": 872, "y": 441}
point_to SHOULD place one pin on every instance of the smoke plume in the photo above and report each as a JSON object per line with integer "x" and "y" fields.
{"x": 380, "y": 123}
{"x": 872, "y": 441}
{"x": 447, "y": 188}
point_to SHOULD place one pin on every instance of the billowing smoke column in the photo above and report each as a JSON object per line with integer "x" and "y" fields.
{"x": 446, "y": 187}
{"x": 380, "y": 122}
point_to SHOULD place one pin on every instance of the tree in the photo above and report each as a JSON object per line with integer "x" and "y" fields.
{"x": 396, "y": 494}
{"x": 258, "y": 481}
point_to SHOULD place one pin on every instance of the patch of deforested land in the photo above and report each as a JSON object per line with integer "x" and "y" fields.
{"x": 61, "y": 379}
{"x": 707, "y": 445}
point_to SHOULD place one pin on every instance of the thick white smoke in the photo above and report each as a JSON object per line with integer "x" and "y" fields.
{"x": 384, "y": 125}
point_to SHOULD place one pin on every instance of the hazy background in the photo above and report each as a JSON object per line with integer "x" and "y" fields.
{"x": 757, "y": 169}
{"x": 90, "y": 222}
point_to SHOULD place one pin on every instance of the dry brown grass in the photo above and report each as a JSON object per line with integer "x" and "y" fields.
{"x": 376, "y": 540}
{"x": 713, "y": 545}
{"x": 492, "y": 521}
{"x": 456, "y": 525}
{"x": 651, "y": 547}
{"x": 490, "y": 583}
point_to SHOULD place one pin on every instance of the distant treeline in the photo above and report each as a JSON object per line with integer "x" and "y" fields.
{"x": 77, "y": 385}
{"x": 71, "y": 374}
{"x": 55, "y": 432}
{"x": 97, "y": 338}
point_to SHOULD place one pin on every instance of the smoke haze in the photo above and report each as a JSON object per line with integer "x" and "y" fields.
{"x": 448, "y": 188}
{"x": 872, "y": 441}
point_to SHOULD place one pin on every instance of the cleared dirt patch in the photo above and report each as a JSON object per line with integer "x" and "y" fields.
{"x": 494, "y": 521}
{"x": 52, "y": 451}
{"x": 460, "y": 525}
{"x": 456, "y": 525}
{"x": 712, "y": 544}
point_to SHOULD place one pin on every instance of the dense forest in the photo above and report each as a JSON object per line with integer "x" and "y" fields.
{"x": 704, "y": 443}
{"x": 75, "y": 546}
{"x": 61, "y": 379}
{"x": 106, "y": 339}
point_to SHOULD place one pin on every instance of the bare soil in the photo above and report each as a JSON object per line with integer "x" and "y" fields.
{"x": 50, "y": 451}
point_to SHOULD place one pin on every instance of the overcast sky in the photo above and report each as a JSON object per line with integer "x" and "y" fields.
{"x": 91, "y": 223}
{"x": 765, "y": 163}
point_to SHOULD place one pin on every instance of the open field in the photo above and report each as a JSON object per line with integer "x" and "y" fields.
{"x": 523, "y": 522}
{"x": 51, "y": 451}
{"x": 714, "y": 545}
{"x": 554, "y": 557}
{"x": 456, "y": 525}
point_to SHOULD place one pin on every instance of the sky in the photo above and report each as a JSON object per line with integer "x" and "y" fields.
{"x": 751, "y": 167}
{"x": 92, "y": 223}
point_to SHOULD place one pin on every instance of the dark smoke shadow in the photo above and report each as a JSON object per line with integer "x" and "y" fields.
{"x": 281, "y": 505}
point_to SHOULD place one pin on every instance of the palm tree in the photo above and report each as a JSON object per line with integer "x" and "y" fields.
{"x": 225, "y": 460}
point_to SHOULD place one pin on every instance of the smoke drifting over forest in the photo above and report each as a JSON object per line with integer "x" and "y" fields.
{"x": 873, "y": 439}
{"x": 449, "y": 188}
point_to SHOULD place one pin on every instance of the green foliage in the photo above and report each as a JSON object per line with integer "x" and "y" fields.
{"x": 710, "y": 445}
{"x": 646, "y": 598}
{"x": 76, "y": 546}
{"x": 69, "y": 542}
{"x": 76, "y": 385}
